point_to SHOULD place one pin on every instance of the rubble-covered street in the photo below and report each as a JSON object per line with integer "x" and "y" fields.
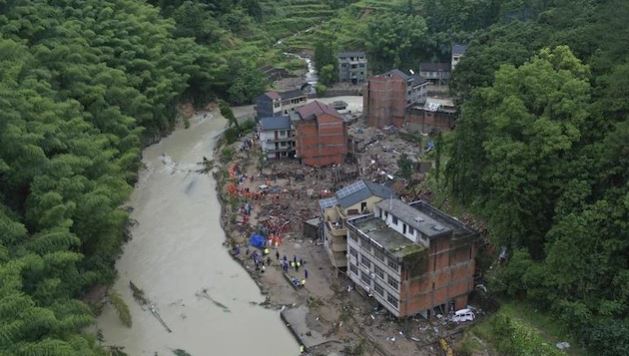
{"x": 276, "y": 198}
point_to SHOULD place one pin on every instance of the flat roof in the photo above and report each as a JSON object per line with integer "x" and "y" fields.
{"x": 275, "y": 123}
{"x": 429, "y": 226}
{"x": 394, "y": 242}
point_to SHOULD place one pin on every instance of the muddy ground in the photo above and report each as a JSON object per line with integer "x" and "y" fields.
{"x": 336, "y": 309}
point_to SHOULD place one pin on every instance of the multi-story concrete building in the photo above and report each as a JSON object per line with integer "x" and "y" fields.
{"x": 274, "y": 103}
{"x": 413, "y": 259}
{"x": 436, "y": 73}
{"x": 358, "y": 198}
{"x": 386, "y": 97}
{"x": 352, "y": 66}
{"x": 276, "y": 137}
{"x": 458, "y": 51}
{"x": 320, "y": 135}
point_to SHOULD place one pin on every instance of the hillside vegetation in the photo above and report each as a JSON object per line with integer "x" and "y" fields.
{"x": 84, "y": 85}
{"x": 540, "y": 153}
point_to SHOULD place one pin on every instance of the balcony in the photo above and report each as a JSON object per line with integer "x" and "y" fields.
{"x": 336, "y": 229}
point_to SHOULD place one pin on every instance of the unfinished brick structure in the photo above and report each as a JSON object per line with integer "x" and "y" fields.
{"x": 320, "y": 135}
{"x": 387, "y": 96}
{"x": 413, "y": 259}
{"x": 435, "y": 114}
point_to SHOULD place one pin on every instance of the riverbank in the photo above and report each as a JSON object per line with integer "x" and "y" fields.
{"x": 176, "y": 257}
{"x": 337, "y": 319}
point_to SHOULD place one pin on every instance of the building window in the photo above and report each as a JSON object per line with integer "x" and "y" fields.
{"x": 394, "y": 219}
{"x": 393, "y": 282}
{"x": 392, "y": 300}
{"x": 386, "y": 214}
{"x": 365, "y": 261}
{"x": 352, "y": 251}
{"x": 379, "y": 255}
{"x": 392, "y": 264}
{"x": 353, "y": 237}
{"x": 411, "y": 231}
{"x": 379, "y": 271}
{"x": 378, "y": 288}
{"x": 364, "y": 276}
{"x": 353, "y": 268}
{"x": 403, "y": 228}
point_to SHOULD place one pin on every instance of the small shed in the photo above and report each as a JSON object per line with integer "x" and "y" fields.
{"x": 311, "y": 228}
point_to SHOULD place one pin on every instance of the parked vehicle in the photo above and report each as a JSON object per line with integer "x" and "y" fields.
{"x": 463, "y": 315}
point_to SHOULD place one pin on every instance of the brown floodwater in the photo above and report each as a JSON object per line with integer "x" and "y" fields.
{"x": 176, "y": 252}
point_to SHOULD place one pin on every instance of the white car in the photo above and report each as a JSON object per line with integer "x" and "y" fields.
{"x": 463, "y": 315}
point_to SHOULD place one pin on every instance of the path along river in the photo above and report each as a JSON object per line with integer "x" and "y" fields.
{"x": 176, "y": 252}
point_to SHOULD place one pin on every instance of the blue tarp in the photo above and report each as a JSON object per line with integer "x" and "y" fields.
{"x": 257, "y": 241}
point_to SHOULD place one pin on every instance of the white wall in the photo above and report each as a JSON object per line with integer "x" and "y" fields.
{"x": 399, "y": 227}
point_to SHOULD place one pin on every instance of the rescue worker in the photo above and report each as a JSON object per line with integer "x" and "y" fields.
{"x": 305, "y": 273}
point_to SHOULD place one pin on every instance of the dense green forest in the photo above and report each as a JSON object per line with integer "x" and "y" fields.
{"x": 541, "y": 154}
{"x": 84, "y": 85}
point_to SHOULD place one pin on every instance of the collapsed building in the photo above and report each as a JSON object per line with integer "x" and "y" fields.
{"x": 413, "y": 259}
{"x": 355, "y": 199}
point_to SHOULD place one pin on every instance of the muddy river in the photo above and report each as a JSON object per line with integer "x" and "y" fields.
{"x": 176, "y": 253}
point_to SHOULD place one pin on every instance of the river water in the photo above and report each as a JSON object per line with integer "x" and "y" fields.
{"x": 176, "y": 252}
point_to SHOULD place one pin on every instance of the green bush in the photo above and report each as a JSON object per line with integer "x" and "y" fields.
{"x": 320, "y": 89}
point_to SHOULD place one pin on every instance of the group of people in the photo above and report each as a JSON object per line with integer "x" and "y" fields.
{"x": 294, "y": 263}
{"x": 262, "y": 260}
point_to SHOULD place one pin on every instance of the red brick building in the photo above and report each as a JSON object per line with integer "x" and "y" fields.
{"x": 320, "y": 135}
{"x": 386, "y": 97}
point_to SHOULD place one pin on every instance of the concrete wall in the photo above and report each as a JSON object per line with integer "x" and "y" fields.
{"x": 283, "y": 138}
{"x": 362, "y": 249}
{"x": 290, "y": 105}
{"x": 321, "y": 142}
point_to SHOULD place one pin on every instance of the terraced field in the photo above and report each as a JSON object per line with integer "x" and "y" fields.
{"x": 344, "y": 25}
{"x": 287, "y": 17}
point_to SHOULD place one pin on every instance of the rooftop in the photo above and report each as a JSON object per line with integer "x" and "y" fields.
{"x": 361, "y": 190}
{"x": 434, "y": 67}
{"x": 394, "y": 242}
{"x": 436, "y": 104}
{"x": 406, "y": 75}
{"x": 275, "y": 123}
{"x": 315, "y": 108}
{"x": 355, "y": 193}
{"x": 272, "y": 95}
{"x": 429, "y": 226}
{"x": 351, "y": 54}
{"x": 458, "y": 49}
{"x": 291, "y": 94}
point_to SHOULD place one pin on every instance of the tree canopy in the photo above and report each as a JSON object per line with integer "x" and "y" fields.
{"x": 539, "y": 153}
